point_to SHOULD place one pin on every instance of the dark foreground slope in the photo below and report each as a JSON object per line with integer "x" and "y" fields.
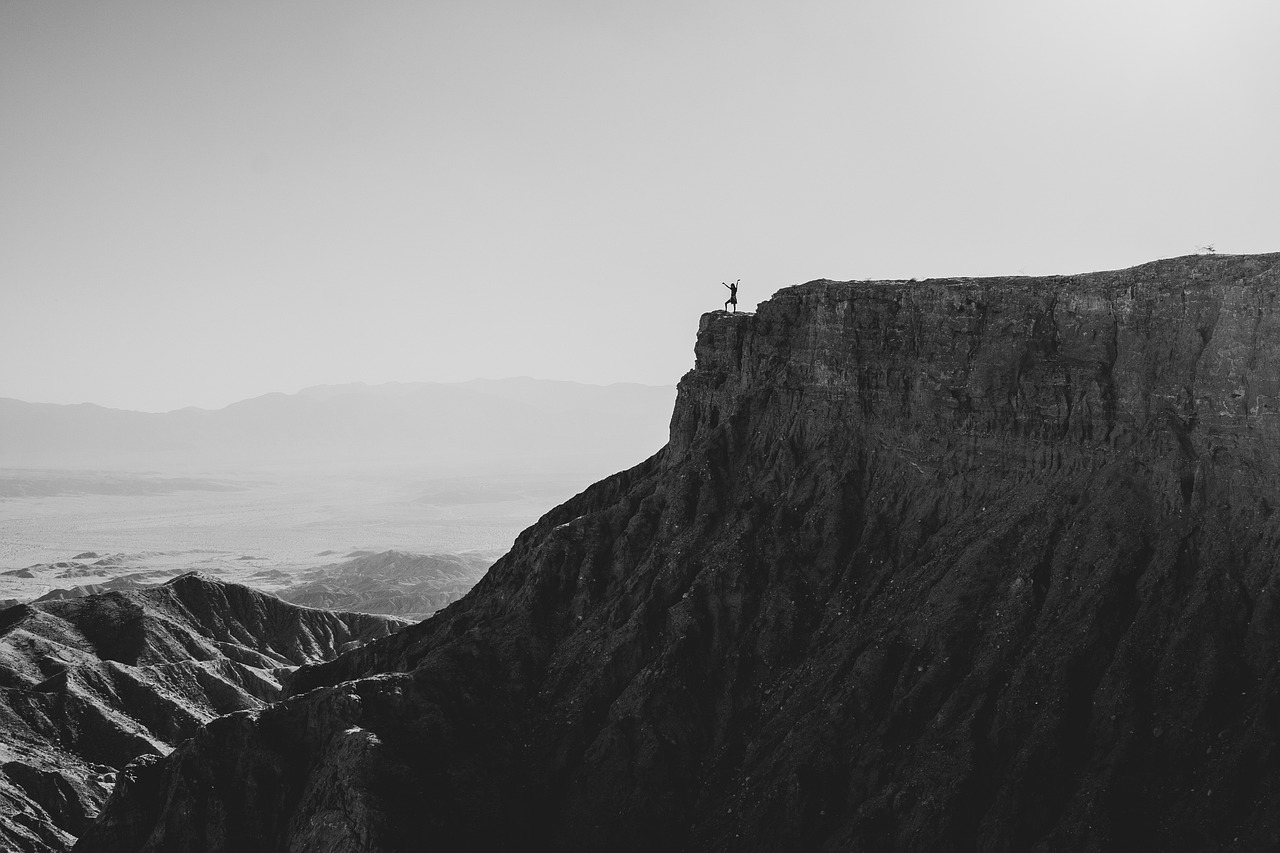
{"x": 964, "y": 564}
{"x": 89, "y": 684}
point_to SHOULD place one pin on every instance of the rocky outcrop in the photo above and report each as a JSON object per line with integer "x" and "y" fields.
{"x": 411, "y": 586}
{"x": 89, "y": 684}
{"x": 952, "y": 565}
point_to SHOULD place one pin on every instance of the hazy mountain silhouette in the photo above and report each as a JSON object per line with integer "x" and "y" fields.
{"x": 507, "y": 424}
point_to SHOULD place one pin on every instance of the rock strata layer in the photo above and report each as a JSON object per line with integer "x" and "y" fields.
{"x": 952, "y": 565}
{"x": 89, "y": 684}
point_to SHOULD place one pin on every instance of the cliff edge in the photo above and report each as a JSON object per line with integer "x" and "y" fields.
{"x": 950, "y": 565}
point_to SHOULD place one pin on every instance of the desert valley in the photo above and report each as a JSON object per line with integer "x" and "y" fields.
{"x": 288, "y": 491}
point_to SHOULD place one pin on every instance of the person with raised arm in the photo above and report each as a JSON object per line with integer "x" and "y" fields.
{"x": 733, "y": 296}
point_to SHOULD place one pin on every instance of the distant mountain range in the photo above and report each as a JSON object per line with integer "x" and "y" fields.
{"x": 530, "y": 424}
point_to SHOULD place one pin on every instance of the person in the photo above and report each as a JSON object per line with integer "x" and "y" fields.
{"x": 733, "y": 296}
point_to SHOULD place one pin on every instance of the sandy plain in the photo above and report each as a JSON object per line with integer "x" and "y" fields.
{"x": 255, "y": 527}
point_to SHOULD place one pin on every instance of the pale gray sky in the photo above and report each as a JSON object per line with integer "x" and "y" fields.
{"x": 205, "y": 201}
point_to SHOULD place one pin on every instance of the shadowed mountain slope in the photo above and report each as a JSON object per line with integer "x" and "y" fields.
{"x": 962, "y": 564}
{"x": 89, "y": 684}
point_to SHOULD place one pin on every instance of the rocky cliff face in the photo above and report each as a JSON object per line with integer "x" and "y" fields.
{"x": 961, "y": 564}
{"x": 89, "y": 684}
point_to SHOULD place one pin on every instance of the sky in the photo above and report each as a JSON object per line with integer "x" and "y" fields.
{"x": 202, "y": 202}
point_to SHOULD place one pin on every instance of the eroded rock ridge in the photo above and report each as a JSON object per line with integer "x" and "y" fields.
{"x": 89, "y": 684}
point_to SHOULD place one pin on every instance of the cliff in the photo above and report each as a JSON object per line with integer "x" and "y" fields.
{"x": 951, "y": 565}
{"x": 89, "y": 684}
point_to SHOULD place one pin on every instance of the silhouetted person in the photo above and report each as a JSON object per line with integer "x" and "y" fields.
{"x": 733, "y": 296}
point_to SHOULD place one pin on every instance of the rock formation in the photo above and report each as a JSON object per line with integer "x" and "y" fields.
{"x": 89, "y": 684}
{"x": 960, "y": 564}
{"x": 397, "y": 583}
